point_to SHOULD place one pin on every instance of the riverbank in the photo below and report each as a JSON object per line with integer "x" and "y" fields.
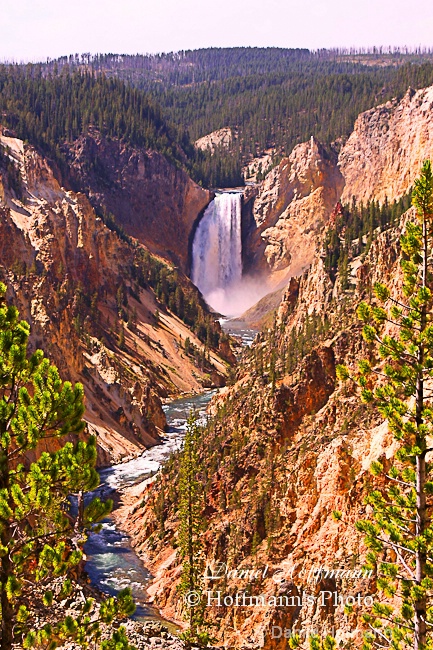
{"x": 132, "y": 484}
{"x": 146, "y": 635}
{"x": 112, "y": 561}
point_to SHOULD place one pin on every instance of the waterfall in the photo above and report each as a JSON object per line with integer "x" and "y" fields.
{"x": 217, "y": 250}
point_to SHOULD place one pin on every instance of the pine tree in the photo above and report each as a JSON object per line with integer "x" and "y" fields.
{"x": 40, "y": 542}
{"x": 400, "y": 533}
{"x": 190, "y": 545}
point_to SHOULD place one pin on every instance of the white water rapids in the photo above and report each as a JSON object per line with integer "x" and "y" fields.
{"x": 217, "y": 252}
{"x": 111, "y": 562}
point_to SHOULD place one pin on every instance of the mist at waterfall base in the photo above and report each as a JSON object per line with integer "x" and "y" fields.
{"x": 235, "y": 299}
{"x": 217, "y": 258}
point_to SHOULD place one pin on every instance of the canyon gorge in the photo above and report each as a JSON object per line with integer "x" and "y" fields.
{"x": 127, "y": 269}
{"x": 287, "y": 445}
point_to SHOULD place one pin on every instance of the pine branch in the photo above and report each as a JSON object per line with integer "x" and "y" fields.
{"x": 378, "y": 632}
{"x": 399, "y": 623}
{"x": 399, "y": 481}
{"x": 401, "y": 304}
{"x": 408, "y": 569}
{"x": 392, "y": 351}
{"x": 405, "y": 578}
{"x": 29, "y": 540}
{"x": 393, "y": 545}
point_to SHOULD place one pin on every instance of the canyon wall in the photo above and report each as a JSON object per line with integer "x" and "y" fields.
{"x": 291, "y": 207}
{"x": 154, "y": 201}
{"x": 380, "y": 161}
{"x": 75, "y": 281}
{"x": 383, "y": 155}
{"x": 287, "y": 444}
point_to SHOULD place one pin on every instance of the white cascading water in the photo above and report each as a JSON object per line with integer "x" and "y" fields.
{"x": 217, "y": 251}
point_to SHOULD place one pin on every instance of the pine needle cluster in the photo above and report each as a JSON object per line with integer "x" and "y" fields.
{"x": 41, "y": 542}
{"x": 397, "y": 380}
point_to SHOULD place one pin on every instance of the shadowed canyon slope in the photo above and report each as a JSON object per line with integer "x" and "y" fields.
{"x": 151, "y": 199}
{"x": 84, "y": 292}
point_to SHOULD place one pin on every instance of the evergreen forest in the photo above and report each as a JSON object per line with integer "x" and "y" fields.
{"x": 271, "y": 98}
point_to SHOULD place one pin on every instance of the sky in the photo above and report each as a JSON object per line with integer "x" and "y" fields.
{"x": 34, "y": 30}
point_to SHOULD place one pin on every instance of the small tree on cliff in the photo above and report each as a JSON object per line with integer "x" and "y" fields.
{"x": 40, "y": 544}
{"x": 400, "y": 532}
{"x": 190, "y": 545}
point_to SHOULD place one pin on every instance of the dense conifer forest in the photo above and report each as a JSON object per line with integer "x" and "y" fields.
{"x": 272, "y": 99}
{"x": 353, "y": 229}
{"x": 51, "y": 109}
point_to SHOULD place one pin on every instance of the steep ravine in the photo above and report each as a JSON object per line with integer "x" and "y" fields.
{"x": 88, "y": 297}
{"x": 287, "y": 444}
{"x": 111, "y": 562}
{"x": 279, "y": 458}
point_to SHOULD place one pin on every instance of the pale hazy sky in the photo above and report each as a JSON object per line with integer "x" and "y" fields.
{"x": 37, "y": 29}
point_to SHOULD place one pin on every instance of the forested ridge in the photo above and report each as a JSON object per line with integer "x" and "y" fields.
{"x": 213, "y": 64}
{"x": 270, "y": 97}
{"x": 49, "y": 110}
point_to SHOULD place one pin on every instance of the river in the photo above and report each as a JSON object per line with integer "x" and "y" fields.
{"x": 112, "y": 564}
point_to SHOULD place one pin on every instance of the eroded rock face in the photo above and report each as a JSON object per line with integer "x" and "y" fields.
{"x": 150, "y": 198}
{"x": 380, "y": 160}
{"x": 72, "y": 279}
{"x": 280, "y": 457}
{"x": 291, "y": 208}
{"x": 306, "y": 396}
{"x": 383, "y": 155}
{"x": 258, "y": 167}
{"x": 220, "y": 138}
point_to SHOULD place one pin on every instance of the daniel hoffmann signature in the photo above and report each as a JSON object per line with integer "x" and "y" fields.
{"x": 219, "y": 570}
